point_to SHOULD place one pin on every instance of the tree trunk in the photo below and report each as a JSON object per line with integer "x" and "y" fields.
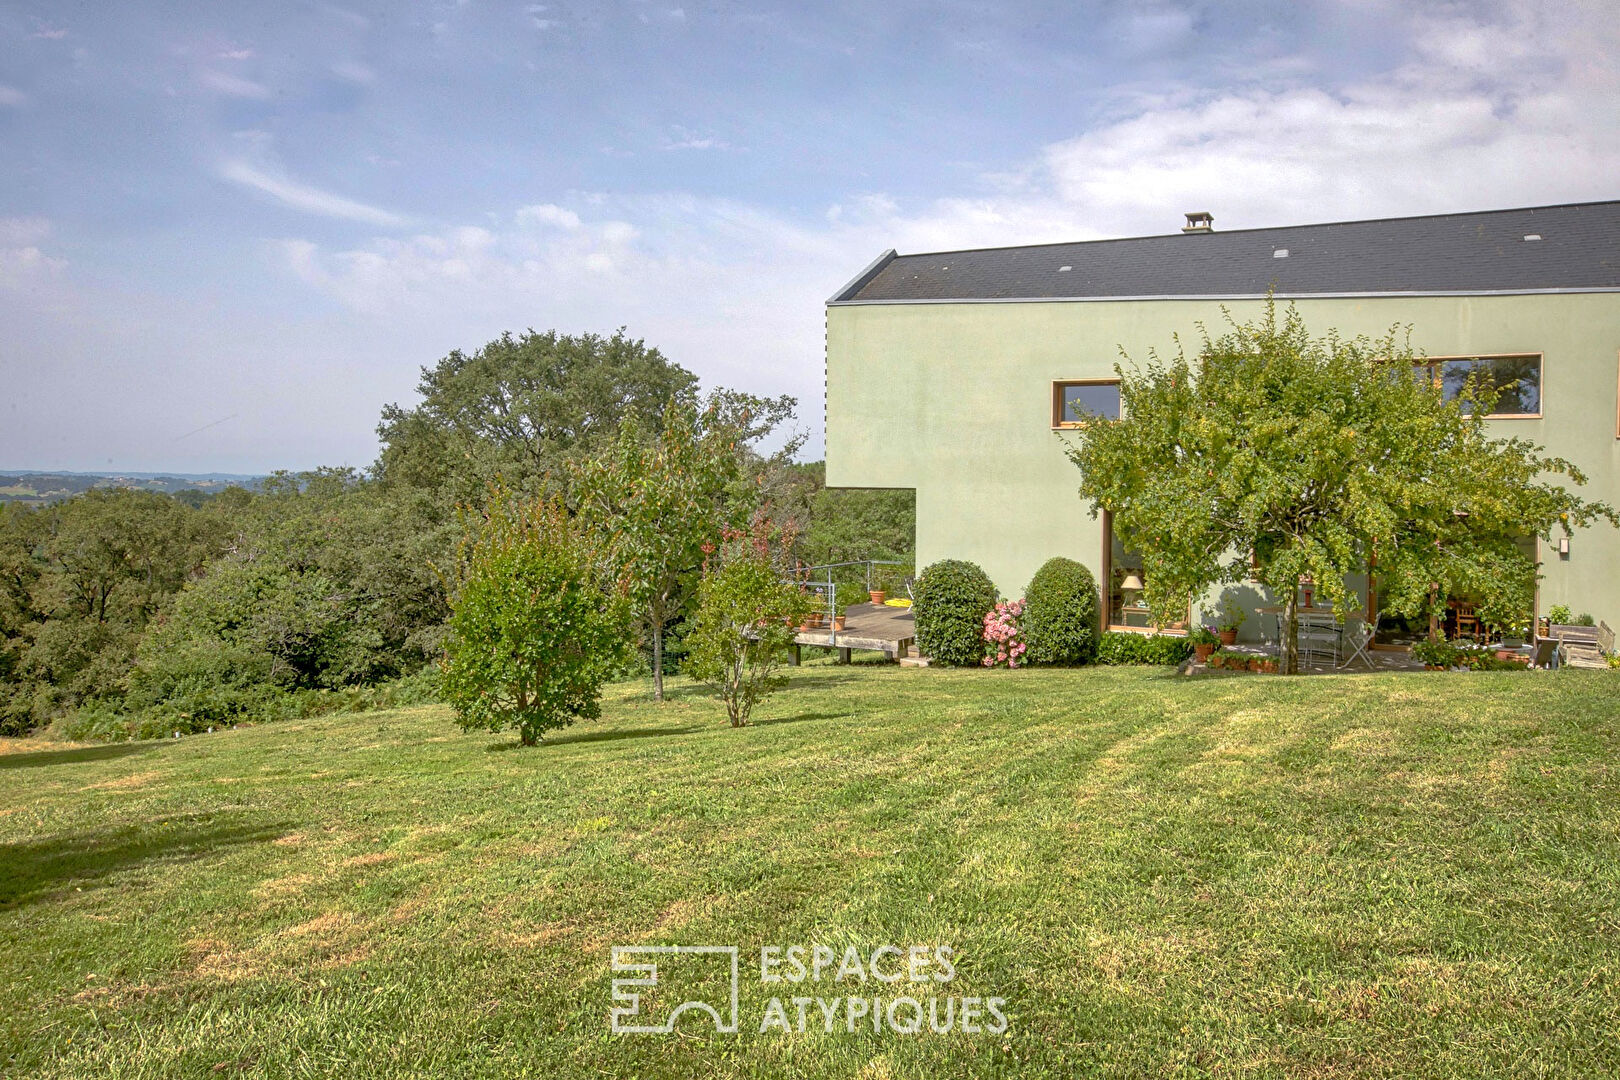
{"x": 658, "y": 661}
{"x": 1290, "y": 634}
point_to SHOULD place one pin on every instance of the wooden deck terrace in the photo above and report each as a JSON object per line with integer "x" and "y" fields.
{"x": 877, "y": 627}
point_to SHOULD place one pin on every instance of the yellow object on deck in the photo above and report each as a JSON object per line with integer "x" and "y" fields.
{"x": 897, "y": 602}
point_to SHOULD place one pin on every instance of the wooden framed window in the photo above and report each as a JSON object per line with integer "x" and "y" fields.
{"x": 1124, "y": 608}
{"x": 1074, "y": 401}
{"x": 1516, "y": 377}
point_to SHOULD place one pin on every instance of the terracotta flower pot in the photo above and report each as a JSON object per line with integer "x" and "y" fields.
{"x": 1228, "y": 637}
{"x": 878, "y": 595}
{"x": 838, "y": 622}
{"x": 1202, "y": 652}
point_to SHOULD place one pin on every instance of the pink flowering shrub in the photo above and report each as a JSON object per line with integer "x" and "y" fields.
{"x": 1003, "y": 636}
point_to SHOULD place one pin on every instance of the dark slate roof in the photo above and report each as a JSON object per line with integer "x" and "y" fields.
{"x": 1475, "y": 252}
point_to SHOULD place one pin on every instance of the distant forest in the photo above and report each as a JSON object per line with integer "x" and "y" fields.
{"x": 145, "y": 606}
{"x": 36, "y": 488}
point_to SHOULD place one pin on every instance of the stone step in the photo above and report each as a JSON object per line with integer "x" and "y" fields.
{"x": 914, "y": 661}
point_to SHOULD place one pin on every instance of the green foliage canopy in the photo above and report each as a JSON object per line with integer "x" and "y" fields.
{"x": 1060, "y": 614}
{"x": 952, "y": 599}
{"x": 1319, "y": 455}
{"x": 657, "y": 503}
{"x": 744, "y": 623}
{"x": 521, "y": 407}
{"x": 537, "y": 624}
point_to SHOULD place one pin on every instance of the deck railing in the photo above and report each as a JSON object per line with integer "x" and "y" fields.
{"x": 822, "y": 581}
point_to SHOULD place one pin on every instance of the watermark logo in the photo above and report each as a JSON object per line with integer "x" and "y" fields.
{"x": 895, "y": 989}
{"x": 704, "y": 977}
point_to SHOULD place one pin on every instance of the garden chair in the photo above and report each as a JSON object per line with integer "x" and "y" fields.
{"x": 1546, "y": 654}
{"x": 1360, "y": 642}
{"x": 1467, "y": 622}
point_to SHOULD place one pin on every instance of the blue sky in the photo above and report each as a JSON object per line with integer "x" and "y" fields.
{"x": 229, "y": 233}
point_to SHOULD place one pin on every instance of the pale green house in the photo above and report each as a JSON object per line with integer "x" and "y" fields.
{"x": 954, "y": 373}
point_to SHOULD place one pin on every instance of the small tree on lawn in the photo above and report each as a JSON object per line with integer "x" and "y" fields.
{"x": 1278, "y": 455}
{"x": 745, "y": 618}
{"x": 659, "y": 501}
{"x": 537, "y": 622}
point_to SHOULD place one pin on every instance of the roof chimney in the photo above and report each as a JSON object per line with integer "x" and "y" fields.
{"x": 1199, "y": 221}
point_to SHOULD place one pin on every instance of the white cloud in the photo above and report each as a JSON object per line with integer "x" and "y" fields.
{"x": 10, "y": 95}
{"x": 303, "y": 197}
{"x": 15, "y": 231}
{"x": 686, "y": 139}
{"x": 354, "y": 71}
{"x": 22, "y": 263}
{"x": 548, "y": 214}
{"x": 50, "y": 33}
{"x": 1484, "y": 115}
{"x": 236, "y": 54}
{"x": 233, "y": 85}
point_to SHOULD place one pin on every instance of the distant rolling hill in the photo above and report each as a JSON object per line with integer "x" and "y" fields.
{"x": 37, "y": 487}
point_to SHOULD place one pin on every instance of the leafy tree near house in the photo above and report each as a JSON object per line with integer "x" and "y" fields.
{"x": 745, "y": 616}
{"x": 659, "y": 501}
{"x": 538, "y": 621}
{"x": 1318, "y": 456}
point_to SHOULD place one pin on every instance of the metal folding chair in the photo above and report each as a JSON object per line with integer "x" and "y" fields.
{"x": 1369, "y": 629}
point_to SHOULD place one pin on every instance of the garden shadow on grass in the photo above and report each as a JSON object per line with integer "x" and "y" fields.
{"x": 622, "y": 733}
{"x": 34, "y": 758}
{"x": 593, "y": 737}
{"x": 30, "y": 871}
{"x": 769, "y": 721}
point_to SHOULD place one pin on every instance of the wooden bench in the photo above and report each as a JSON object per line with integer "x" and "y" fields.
{"x": 1583, "y": 646}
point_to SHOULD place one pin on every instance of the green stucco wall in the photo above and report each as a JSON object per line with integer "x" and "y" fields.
{"x": 954, "y": 401}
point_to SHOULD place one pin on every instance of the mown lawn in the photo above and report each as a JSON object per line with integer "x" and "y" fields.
{"x": 1389, "y": 875}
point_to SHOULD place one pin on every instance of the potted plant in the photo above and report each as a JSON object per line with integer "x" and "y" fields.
{"x": 845, "y": 595}
{"x": 1513, "y": 635}
{"x": 1203, "y": 641}
{"x": 1436, "y": 655}
{"x": 1232, "y": 616}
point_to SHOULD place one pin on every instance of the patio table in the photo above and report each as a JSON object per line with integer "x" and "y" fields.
{"x": 1315, "y": 623}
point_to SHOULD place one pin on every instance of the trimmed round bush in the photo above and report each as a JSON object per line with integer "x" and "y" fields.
{"x": 1060, "y": 614}
{"x": 952, "y": 599}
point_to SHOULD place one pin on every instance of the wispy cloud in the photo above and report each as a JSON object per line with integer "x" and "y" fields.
{"x": 233, "y": 85}
{"x": 354, "y": 71}
{"x": 236, "y": 54}
{"x": 686, "y": 139}
{"x": 10, "y": 95}
{"x": 50, "y": 33}
{"x": 310, "y": 200}
{"x": 22, "y": 263}
{"x": 548, "y": 214}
